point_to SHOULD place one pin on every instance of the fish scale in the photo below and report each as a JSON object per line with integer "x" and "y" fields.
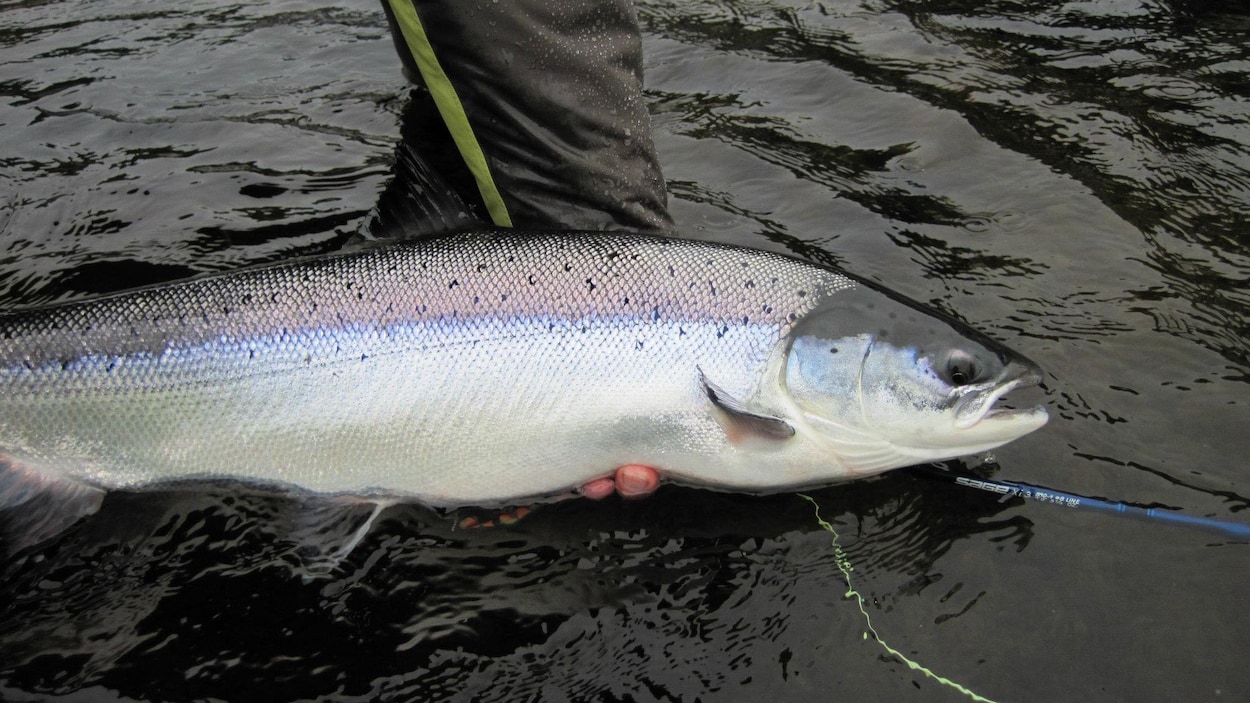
{"x": 376, "y": 372}
{"x": 491, "y": 367}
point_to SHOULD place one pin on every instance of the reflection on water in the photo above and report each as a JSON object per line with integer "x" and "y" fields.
{"x": 199, "y": 591}
{"x": 152, "y": 141}
{"x": 1142, "y": 104}
{"x": 1071, "y": 178}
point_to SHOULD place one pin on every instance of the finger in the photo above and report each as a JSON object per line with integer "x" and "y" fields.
{"x": 635, "y": 480}
{"x": 599, "y": 489}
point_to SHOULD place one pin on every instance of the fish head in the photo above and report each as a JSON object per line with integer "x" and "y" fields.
{"x": 885, "y": 383}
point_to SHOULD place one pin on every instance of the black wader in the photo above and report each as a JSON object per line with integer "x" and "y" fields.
{"x": 543, "y": 99}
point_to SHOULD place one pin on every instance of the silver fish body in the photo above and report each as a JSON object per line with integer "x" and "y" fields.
{"x": 487, "y": 367}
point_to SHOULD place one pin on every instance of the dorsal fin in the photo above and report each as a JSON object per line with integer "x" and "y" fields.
{"x": 740, "y": 423}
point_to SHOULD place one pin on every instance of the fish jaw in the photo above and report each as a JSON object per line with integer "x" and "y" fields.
{"x": 975, "y": 404}
{"x": 981, "y": 424}
{"x": 970, "y": 421}
{"x": 852, "y": 453}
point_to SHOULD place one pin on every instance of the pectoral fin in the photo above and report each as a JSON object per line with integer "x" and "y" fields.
{"x": 739, "y": 423}
{"x": 35, "y": 506}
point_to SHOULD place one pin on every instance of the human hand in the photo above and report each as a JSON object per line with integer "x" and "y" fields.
{"x": 630, "y": 481}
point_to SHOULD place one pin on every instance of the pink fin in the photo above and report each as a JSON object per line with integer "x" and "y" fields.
{"x": 740, "y": 423}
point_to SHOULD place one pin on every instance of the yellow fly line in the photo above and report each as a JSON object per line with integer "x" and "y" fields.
{"x": 450, "y": 108}
{"x": 844, "y": 565}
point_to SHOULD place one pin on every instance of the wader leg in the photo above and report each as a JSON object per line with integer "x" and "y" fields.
{"x": 544, "y": 103}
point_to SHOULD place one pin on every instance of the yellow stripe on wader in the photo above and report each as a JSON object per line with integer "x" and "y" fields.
{"x": 450, "y": 108}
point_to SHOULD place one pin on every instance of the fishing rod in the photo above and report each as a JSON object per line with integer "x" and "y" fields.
{"x": 1227, "y": 528}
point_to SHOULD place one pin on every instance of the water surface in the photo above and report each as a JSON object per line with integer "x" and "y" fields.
{"x": 1072, "y": 178}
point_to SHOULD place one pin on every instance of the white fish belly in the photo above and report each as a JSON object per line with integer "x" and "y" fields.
{"x": 473, "y": 411}
{"x": 480, "y": 367}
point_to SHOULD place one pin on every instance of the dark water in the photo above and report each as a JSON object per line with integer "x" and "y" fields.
{"x": 1072, "y": 178}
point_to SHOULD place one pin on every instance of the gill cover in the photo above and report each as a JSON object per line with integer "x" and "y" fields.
{"x": 884, "y": 383}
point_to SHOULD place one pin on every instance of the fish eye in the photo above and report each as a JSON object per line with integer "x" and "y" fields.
{"x": 961, "y": 368}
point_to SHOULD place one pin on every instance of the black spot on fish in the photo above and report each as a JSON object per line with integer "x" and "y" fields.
{"x": 568, "y": 266}
{"x": 640, "y": 345}
{"x": 481, "y": 268}
{"x": 453, "y": 284}
{"x": 532, "y": 279}
{"x": 802, "y": 294}
{"x": 591, "y": 283}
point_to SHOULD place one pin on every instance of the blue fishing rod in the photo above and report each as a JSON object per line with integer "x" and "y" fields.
{"x": 1226, "y": 528}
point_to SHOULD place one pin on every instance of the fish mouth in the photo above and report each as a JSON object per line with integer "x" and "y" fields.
{"x": 976, "y": 406}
